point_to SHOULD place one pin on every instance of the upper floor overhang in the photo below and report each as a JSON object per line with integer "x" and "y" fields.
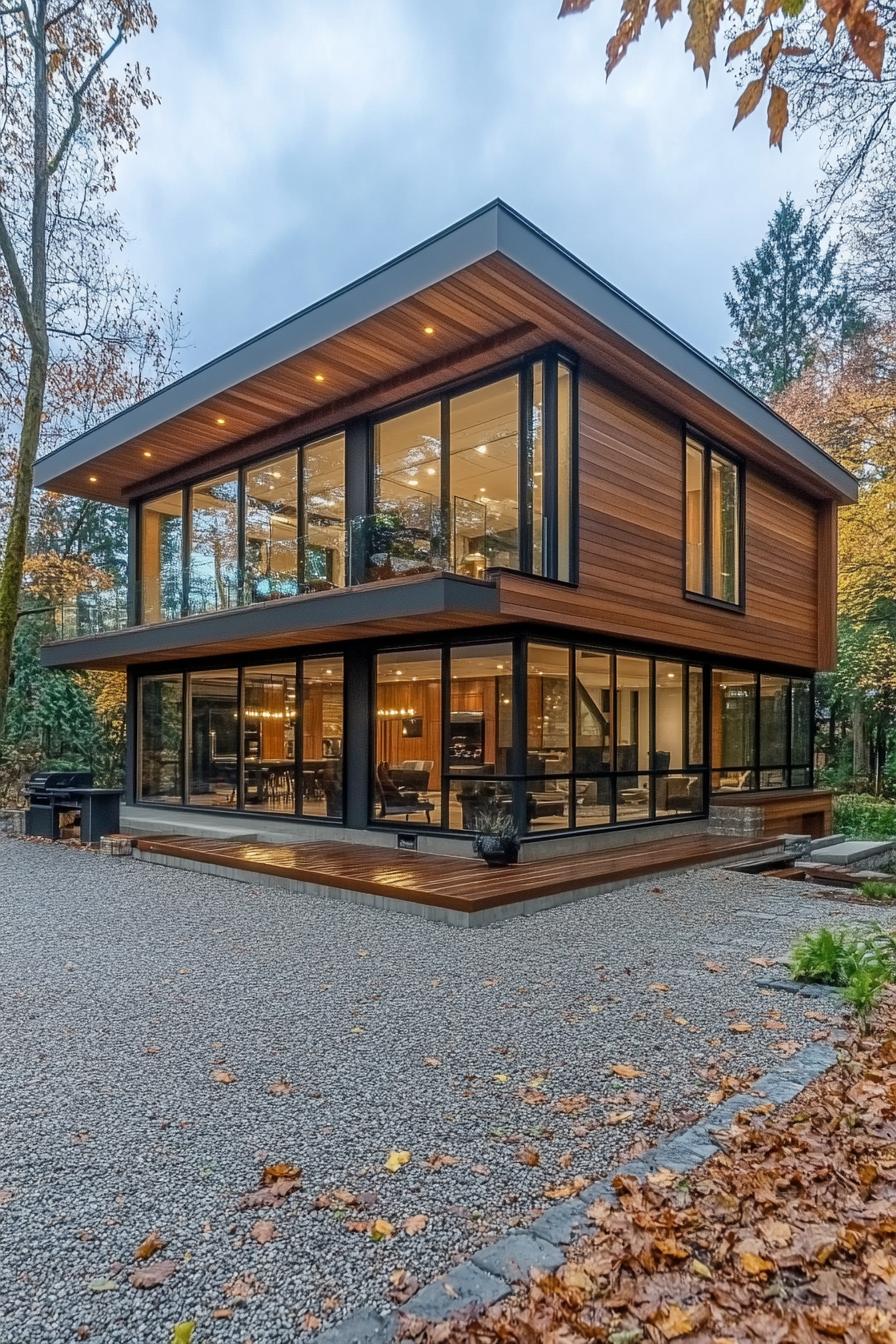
{"x": 489, "y": 288}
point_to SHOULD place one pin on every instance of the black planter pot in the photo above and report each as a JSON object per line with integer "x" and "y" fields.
{"x": 496, "y": 851}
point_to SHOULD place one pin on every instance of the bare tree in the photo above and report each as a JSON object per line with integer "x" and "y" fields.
{"x": 77, "y": 332}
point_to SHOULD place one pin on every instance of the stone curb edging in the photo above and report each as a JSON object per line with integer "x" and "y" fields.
{"x": 493, "y": 1272}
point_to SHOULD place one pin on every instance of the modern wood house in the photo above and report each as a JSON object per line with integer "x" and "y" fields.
{"x": 474, "y": 527}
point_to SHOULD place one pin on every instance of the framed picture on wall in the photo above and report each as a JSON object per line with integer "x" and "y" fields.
{"x": 412, "y": 727}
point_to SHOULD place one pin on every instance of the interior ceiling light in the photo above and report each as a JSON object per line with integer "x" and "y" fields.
{"x": 219, "y": 420}
{"x": 482, "y": 448}
{"x": 429, "y": 331}
{"x": 92, "y": 480}
{"x": 147, "y": 453}
{"x": 318, "y": 378}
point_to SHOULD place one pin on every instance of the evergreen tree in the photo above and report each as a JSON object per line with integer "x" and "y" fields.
{"x": 788, "y": 302}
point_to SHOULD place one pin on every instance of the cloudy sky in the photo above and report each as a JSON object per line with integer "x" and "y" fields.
{"x": 300, "y": 143}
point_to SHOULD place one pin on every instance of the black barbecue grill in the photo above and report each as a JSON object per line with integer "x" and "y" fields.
{"x": 53, "y": 793}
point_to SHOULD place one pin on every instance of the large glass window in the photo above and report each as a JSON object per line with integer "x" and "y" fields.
{"x": 801, "y": 732}
{"x": 213, "y": 704}
{"x": 323, "y": 699}
{"x": 774, "y": 696}
{"x": 213, "y": 579}
{"x": 594, "y": 738}
{"x": 733, "y": 730}
{"x": 272, "y": 528}
{"x": 408, "y": 737}
{"x": 323, "y": 513}
{"x": 161, "y": 741}
{"x": 161, "y": 558}
{"x": 484, "y": 472}
{"x": 712, "y": 523}
{"x": 405, "y": 534}
{"x": 480, "y": 732}
{"x": 633, "y": 716}
{"x": 269, "y": 738}
{"x": 565, "y": 435}
{"x": 548, "y": 738}
{"x": 536, "y": 466}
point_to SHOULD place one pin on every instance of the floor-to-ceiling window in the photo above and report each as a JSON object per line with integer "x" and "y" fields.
{"x": 160, "y": 739}
{"x": 323, "y": 559}
{"x": 161, "y": 558}
{"x": 404, "y": 535}
{"x": 479, "y": 741}
{"x": 269, "y": 738}
{"x": 213, "y": 737}
{"x": 485, "y": 474}
{"x": 407, "y": 766}
{"x": 213, "y": 577}
{"x": 322, "y": 729}
{"x": 713, "y": 528}
{"x": 733, "y": 729}
{"x": 548, "y": 738}
{"x": 271, "y": 529}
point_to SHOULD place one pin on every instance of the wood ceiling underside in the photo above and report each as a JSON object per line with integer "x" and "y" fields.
{"x": 490, "y": 311}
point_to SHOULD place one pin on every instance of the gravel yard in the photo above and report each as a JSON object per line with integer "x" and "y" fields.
{"x": 125, "y": 988}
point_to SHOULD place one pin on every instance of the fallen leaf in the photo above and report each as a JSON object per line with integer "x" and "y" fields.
{"x": 183, "y": 1332}
{"x": 432, "y": 1061}
{"x": 280, "y": 1171}
{"x": 402, "y": 1285}
{"x": 102, "y": 1286}
{"x": 751, "y": 1263}
{"x": 501, "y": 1077}
{"x": 740, "y": 1027}
{"x": 626, "y": 1071}
{"x": 149, "y": 1246}
{"x": 381, "y": 1229}
{"x": 243, "y": 1287}
{"x": 311, "y": 1322}
{"x": 281, "y": 1088}
{"x": 528, "y": 1157}
{"x": 263, "y": 1231}
{"x": 571, "y": 1105}
{"x": 398, "y": 1158}
{"x": 438, "y": 1160}
{"x": 659, "y": 987}
{"x": 715, "y": 967}
{"x": 619, "y": 1117}
{"x": 222, "y": 1076}
{"x": 775, "y": 1231}
{"x": 152, "y": 1276}
{"x": 416, "y": 1224}
{"x": 674, "y": 1322}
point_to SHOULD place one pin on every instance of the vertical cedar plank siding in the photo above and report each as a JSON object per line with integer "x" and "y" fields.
{"x": 631, "y": 546}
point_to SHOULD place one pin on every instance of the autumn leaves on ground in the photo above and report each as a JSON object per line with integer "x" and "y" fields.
{"x": 787, "y": 1237}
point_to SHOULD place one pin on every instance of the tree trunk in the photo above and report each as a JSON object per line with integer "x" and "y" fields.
{"x": 17, "y": 538}
{"x": 860, "y": 754}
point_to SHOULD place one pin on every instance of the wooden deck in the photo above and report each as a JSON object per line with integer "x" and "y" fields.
{"x": 451, "y": 883}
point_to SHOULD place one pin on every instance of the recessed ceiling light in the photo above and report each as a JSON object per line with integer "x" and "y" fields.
{"x": 318, "y": 378}
{"x": 219, "y": 420}
{"x": 147, "y": 453}
{"x": 92, "y": 480}
{"x": 429, "y": 331}
{"x": 430, "y": 471}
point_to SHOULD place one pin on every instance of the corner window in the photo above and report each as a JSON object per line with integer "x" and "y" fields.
{"x": 713, "y": 540}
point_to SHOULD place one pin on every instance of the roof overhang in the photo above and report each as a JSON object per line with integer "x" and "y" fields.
{"x": 491, "y": 285}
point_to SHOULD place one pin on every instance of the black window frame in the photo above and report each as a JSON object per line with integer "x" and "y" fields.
{"x": 711, "y": 448}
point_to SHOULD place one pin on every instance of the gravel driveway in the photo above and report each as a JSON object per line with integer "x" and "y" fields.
{"x": 125, "y": 987}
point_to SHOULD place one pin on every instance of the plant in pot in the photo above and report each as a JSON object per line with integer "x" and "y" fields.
{"x": 496, "y": 839}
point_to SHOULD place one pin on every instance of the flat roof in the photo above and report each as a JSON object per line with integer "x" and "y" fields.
{"x": 495, "y": 230}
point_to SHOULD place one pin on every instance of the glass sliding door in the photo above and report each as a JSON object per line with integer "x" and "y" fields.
{"x": 480, "y": 733}
{"x": 213, "y": 581}
{"x": 484, "y": 473}
{"x": 323, "y": 513}
{"x": 161, "y": 559}
{"x": 160, "y": 739}
{"x": 271, "y": 529}
{"x": 322, "y": 729}
{"x": 213, "y": 716}
{"x": 269, "y": 738}
{"x": 408, "y": 737}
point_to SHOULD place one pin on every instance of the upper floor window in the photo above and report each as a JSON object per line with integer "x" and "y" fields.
{"x": 476, "y": 480}
{"x": 713, "y": 523}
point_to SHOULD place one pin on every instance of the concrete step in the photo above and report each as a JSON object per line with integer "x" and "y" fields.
{"x": 853, "y": 853}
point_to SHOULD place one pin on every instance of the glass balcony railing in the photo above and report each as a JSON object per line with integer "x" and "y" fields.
{"x": 419, "y": 537}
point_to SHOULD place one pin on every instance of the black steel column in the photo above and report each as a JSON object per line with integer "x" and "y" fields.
{"x": 131, "y": 753}
{"x": 358, "y": 495}
{"x": 358, "y": 732}
{"x": 133, "y": 564}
